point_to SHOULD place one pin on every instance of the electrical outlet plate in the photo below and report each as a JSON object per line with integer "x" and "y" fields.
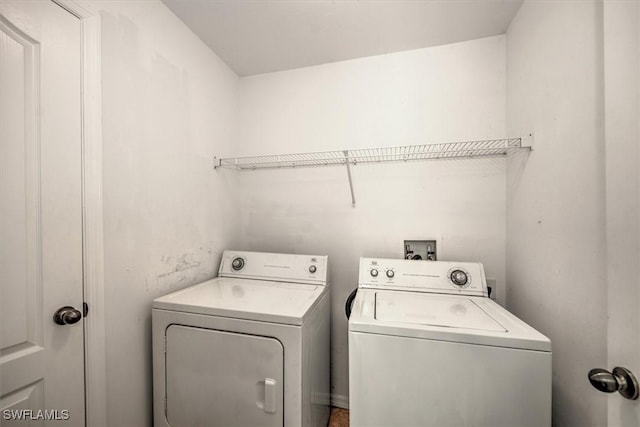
{"x": 420, "y": 250}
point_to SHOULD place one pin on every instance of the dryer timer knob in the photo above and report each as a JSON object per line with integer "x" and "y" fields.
{"x": 312, "y": 269}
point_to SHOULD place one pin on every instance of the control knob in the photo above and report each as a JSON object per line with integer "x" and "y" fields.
{"x": 374, "y": 272}
{"x": 312, "y": 269}
{"x": 459, "y": 277}
{"x": 390, "y": 274}
{"x": 237, "y": 264}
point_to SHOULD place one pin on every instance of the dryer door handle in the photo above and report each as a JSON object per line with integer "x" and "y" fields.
{"x": 270, "y": 396}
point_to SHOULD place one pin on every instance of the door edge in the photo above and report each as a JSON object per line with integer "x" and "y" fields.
{"x": 92, "y": 213}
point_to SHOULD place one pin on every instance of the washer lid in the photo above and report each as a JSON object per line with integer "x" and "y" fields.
{"x": 265, "y": 301}
{"x": 425, "y": 309}
{"x": 454, "y": 318}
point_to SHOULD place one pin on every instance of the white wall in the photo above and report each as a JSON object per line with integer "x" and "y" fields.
{"x": 169, "y": 103}
{"x": 556, "y": 248}
{"x": 447, "y": 93}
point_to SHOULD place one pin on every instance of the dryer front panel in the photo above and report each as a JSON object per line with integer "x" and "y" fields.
{"x": 218, "y": 378}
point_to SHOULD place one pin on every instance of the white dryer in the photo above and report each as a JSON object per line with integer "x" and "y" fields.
{"x": 427, "y": 347}
{"x": 249, "y": 348}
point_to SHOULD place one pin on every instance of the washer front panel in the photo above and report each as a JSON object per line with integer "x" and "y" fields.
{"x": 434, "y": 383}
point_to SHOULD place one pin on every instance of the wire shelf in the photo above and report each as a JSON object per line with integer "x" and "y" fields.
{"x": 450, "y": 150}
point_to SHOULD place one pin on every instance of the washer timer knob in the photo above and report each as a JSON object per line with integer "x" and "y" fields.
{"x": 459, "y": 277}
{"x": 374, "y": 272}
{"x": 312, "y": 269}
{"x": 390, "y": 274}
{"x": 237, "y": 264}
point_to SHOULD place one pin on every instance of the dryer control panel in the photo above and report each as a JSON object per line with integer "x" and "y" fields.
{"x": 460, "y": 278}
{"x": 293, "y": 268}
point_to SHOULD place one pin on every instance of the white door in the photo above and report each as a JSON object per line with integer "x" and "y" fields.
{"x": 41, "y": 362}
{"x": 622, "y": 154}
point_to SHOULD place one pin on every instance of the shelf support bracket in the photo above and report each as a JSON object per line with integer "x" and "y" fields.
{"x": 346, "y": 162}
{"x": 527, "y": 141}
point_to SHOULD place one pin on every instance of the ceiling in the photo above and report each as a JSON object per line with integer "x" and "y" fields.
{"x": 262, "y": 36}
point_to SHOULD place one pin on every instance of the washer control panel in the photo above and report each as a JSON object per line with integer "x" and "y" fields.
{"x": 277, "y": 267}
{"x": 466, "y": 278}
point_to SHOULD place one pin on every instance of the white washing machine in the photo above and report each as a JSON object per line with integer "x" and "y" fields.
{"x": 427, "y": 347}
{"x": 249, "y": 348}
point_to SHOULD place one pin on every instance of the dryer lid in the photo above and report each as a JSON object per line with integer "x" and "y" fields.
{"x": 260, "y": 300}
{"x": 425, "y": 309}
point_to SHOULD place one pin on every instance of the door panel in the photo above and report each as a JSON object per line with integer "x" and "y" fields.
{"x": 217, "y": 378}
{"x": 41, "y": 363}
{"x": 622, "y": 165}
{"x": 18, "y": 188}
{"x": 22, "y": 400}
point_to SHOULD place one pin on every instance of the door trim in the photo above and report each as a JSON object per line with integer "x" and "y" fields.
{"x": 92, "y": 220}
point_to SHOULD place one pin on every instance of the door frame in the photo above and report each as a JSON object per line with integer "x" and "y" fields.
{"x": 92, "y": 211}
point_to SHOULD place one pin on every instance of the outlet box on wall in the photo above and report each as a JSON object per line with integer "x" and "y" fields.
{"x": 420, "y": 250}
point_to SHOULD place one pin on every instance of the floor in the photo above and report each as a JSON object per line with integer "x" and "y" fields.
{"x": 339, "y": 418}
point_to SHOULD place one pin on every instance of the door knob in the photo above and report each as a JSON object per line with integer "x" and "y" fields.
{"x": 67, "y": 316}
{"x": 620, "y": 380}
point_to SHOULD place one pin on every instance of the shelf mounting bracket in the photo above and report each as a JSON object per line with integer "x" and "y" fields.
{"x": 346, "y": 162}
